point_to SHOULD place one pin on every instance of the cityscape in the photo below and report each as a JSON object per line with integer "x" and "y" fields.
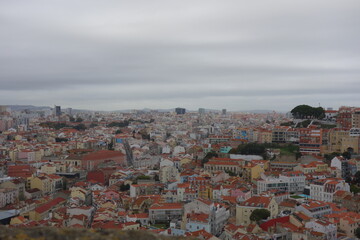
{"x": 161, "y": 120}
{"x": 208, "y": 174}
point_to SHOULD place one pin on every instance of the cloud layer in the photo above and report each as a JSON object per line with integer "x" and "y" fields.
{"x": 162, "y": 54}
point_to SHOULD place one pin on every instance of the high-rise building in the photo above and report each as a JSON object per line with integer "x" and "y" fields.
{"x": 344, "y": 118}
{"x": 3, "y": 109}
{"x": 356, "y": 119}
{"x": 223, "y": 111}
{"x": 201, "y": 110}
{"x": 57, "y": 111}
{"x": 69, "y": 111}
{"x": 180, "y": 110}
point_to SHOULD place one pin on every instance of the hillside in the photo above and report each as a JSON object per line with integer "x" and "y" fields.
{"x": 48, "y": 233}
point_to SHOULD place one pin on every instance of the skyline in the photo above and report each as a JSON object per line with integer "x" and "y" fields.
{"x": 159, "y": 55}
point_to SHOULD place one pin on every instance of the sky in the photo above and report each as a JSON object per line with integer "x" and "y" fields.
{"x": 160, "y": 54}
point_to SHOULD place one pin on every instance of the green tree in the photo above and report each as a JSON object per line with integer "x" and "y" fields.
{"x": 79, "y": 119}
{"x": 143, "y": 177}
{"x": 306, "y": 111}
{"x": 231, "y": 173}
{"x": 111, "y": 146}
{"x": 119, "y": 124}
{"x": 346, "y": 155}
{"x": 259, "y": 214}
{"x": 354, "y": 189}
{"x": 22, "y": 196}
{"x": 80, "y": 127}
{"x": 124, "y": 187}
{"x": 330, "y": 156}
{"x": 157, "y": 178}
{"x": 65, "y": 183}
{"x": 208, "y": 156}
{"x": 357, "y": 178}
{"x": 118, "y": 131}
{"x": 357, "y": 232}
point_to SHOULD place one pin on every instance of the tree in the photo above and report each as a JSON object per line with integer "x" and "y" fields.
{"x": 143, "y": 177}
{"x": 208, "y": 156}
{"x": 259, "y": 214}
{"x": 124, "y": 187}
{"x": 251, "y": 148}
{"x": 65, "y": 183}
{"x": 354, "y": 189}
{"x": 306, "y": 111}
{"x": 111, "y": 146}
{"x": 118, "y": 131}
{"x": 157, "y": 178}
{"x": 233, "y": 151}
{"x": 231, "y": 173}
{"x": 80, "y": 127}
{"x": 61, "y": 139}
{"x": 79, "y": 119}
{"x": 22, "y": 196}
{"x": 330, "y": 156}
{"x": 346, "y": 155}
{"x": 119, "y": 124}
{"x": 357, "y": 232}
{"x": 357, "y": 177}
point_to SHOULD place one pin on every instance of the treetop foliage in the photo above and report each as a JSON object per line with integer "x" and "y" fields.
{"x": 259, "y": 214}
{"x": 306, "y": 111}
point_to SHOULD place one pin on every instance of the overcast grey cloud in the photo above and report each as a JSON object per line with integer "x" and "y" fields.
{"x": 239, "y": 55}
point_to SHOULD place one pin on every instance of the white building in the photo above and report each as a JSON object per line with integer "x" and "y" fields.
{"x": 218, "y": 213}
{"x": 314, "y": 209}
{"x": 323, "y": 226}
{"x": 324, "y": 189}
{"x": 169, "y": 173}
{"x": 288, "y": 181}
{"x": 7, "y": 196}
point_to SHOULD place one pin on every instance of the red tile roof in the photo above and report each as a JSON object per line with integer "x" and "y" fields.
{"x": 102, "y": 154}
{"x": 271, "y": 223}
{"x": 47, "y": 206}
{"x": 257, "y": 201}
{"x": 158, "y": 206}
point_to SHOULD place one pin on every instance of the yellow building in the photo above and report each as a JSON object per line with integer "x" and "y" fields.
{"x": 339, "y": 140}
{"x": 252, "y": 171}
{"x": 264, "y": 136}
{"x": 81, "y": 193}
{"x": 346, "y": 222}
{"x": 48, "y": 169}
{"x": 74, "y": 161}
{"x": 18, "y": 220}
{"x": 244, "y": 209}
{"x": 44, "y": 210}
{"x": 316, "y": 166}
{"x": 43, "y": 183}
{"x": 184, "y": 161}
{"x": 222, "y": 165}
{"x": 131, "y": 226}
{"x": 39, "y": 154}
{"x": 205, "y": 192}
{"x": 13, "y": 153}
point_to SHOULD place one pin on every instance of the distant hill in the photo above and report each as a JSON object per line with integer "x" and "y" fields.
{"x": 42, "y": 108}
{"x": 29, "y": 107}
